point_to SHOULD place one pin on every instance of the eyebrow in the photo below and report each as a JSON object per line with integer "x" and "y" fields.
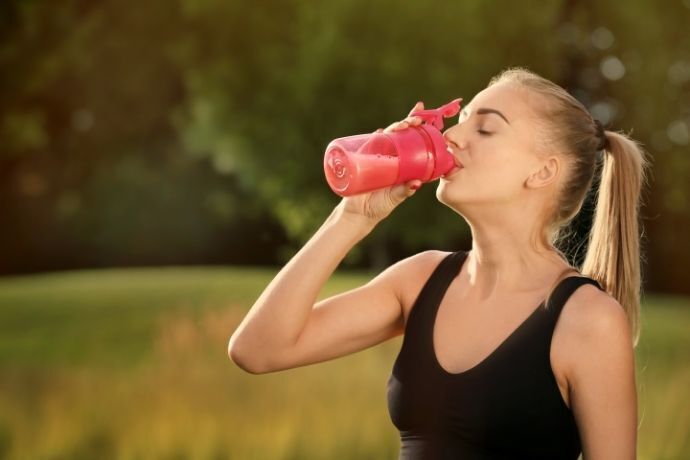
{"x": 486, "y": 110}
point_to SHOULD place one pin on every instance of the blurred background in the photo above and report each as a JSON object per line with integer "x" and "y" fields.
{"x": 161, "y": 160}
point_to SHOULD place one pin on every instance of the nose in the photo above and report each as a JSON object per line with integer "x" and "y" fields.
{"x": 453, "y": 135}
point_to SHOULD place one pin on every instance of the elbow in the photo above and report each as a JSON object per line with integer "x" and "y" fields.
{"x": 241, "y": 360}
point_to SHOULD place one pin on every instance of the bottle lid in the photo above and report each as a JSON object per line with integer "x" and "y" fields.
{"x": 436, "y": 116}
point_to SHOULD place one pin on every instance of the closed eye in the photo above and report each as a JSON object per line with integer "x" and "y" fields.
{"x": 483, "y": 133}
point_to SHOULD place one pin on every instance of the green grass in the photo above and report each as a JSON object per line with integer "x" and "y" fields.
{"x": 132, "y": 364}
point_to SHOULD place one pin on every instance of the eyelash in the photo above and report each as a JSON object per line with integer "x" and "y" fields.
{"x": 480, "y": 131}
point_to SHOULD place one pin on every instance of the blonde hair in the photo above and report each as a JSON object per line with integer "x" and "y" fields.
{"x": 613, "y": 253}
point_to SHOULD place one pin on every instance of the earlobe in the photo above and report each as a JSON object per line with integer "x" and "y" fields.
{"x": 547, "y": 173}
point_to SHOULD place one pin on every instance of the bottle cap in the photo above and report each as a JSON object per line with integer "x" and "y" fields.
{"x": 436, "y": 116}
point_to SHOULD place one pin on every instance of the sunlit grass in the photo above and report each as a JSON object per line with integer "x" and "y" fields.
{"x": 132, "y": 364}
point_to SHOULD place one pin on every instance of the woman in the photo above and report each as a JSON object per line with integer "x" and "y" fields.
{"x": 508, "y": 350}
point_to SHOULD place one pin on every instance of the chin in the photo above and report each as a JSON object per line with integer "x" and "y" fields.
{"x": 454, "y": 196}
{"x": 446, "y": 188}
{"x": 447, "y": 194}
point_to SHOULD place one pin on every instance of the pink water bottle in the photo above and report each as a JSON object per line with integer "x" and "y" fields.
{"x": 366, "y": 162}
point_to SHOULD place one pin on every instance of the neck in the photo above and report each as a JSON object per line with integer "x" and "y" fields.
{"x": 503, "y": 262}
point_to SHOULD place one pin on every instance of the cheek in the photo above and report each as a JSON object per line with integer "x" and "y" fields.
{"x": 497, "y": 171}
{"x": 503, "y": 175}
{"x": 481, "y": 182}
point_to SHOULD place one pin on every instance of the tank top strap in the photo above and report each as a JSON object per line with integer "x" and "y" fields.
{"x": 431, "y": 295}
{"x": 564, "y": 290}
{"x": 440, "y": 279}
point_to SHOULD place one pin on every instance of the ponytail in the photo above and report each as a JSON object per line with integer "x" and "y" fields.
{"x": 613, "y": 256}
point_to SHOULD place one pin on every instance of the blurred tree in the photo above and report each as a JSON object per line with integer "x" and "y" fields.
{"x": 130, "y": 132}
{"x": 331, "y": 71}
{"x": 91, "y": 165}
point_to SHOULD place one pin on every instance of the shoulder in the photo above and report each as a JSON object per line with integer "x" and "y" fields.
{"x": 420, "y": 266}
{"x": 592, "y": 326}
{"x": 600, "y": 371}
{"x": 408, "y": 275}
{"x": 416, "y": 265}
{"x": 591, "y": 315}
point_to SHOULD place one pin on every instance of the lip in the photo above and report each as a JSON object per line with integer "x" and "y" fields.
{"x": 456, "y": 169}
{"x": 456, "y": 160}
{"x": 452, "y": 172}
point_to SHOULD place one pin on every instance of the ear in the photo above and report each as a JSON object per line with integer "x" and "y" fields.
{"x": 547, "y": 173}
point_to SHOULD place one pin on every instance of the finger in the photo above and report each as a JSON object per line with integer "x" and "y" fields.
{"x": 402, "y": 125}
{"x": 413, "y": 184}
{"x": 415, "y": 121}
{"x": 418, "y": 106}
{"x": 400, "y": 192}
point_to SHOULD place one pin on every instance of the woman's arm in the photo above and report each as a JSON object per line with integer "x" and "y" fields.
{"x": 274, "y": 334}
{"x": 278, "y": 316}
{"x": 602, "y": 380}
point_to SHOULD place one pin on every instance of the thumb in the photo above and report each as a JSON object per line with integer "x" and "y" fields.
{"x": 418, "y": 106}
{"x": 403, "y": 191}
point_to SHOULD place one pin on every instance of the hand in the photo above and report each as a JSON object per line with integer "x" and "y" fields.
{"x": 407, "y": 122}
{"x": 374, "y": 206}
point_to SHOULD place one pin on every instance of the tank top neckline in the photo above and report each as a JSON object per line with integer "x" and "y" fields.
{"x": 487, "y": 359}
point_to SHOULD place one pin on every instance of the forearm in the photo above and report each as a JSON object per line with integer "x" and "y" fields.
{"x": 280, "y": 313}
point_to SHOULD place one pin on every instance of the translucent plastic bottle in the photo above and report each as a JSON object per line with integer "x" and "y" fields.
{"x": 365, "y": 162}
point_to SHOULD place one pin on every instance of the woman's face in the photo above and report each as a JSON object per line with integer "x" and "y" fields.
{"x": 494, "y": 140}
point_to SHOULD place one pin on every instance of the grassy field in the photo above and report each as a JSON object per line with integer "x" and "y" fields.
{"x": 132, "y": 364}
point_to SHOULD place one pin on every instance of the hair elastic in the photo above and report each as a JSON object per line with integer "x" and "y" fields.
{"x": 601, "y": 134}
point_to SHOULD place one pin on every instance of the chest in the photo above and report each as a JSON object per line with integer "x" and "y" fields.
{"x": 466, "y": 334}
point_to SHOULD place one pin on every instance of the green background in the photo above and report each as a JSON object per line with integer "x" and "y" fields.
{"x": 160, "y": 160}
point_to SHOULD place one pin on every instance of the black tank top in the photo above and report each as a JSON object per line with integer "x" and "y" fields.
{"x": 506, "y": 407}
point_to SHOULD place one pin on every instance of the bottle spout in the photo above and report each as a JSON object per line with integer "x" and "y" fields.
{"x": 436, "y": 116}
